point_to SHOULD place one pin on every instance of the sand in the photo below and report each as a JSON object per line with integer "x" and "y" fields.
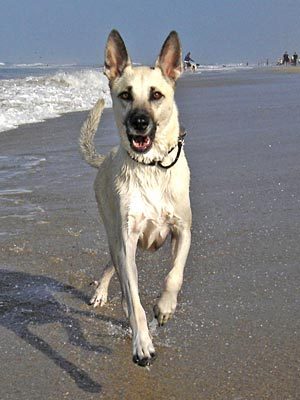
{"x": 290, "y": 69}
{"x": 236, "y": 331}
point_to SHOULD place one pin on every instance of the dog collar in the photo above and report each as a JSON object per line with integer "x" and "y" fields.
{"x": 179, "y": 144}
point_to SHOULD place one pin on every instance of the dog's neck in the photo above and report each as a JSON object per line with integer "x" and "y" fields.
{"x": 160, "y": 164}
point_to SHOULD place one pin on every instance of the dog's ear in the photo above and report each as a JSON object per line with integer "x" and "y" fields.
{"x": 170, "y": 57}
{"x": 116, "y": 56}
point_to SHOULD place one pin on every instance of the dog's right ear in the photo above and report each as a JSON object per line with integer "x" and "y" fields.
{"x": 116, "y": 56}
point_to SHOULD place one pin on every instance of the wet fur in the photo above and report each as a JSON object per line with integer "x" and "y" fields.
{"x": 141, "y": 205}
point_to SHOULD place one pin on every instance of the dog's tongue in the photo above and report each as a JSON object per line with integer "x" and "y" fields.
{"x": 141, "y": 142}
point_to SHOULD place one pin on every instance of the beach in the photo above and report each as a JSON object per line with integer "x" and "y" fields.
{"x": 235, "y": 334}
{"x": 291, "y": 69}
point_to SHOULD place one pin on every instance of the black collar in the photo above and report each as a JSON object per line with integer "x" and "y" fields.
{"x": 179, "y": 145}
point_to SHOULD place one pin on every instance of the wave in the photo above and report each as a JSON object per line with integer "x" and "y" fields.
{"x": 37, "y": 98}
{"x": 28, "y": 65}
{"x": 222, "y": 67}
{"x": 35, "y": 65}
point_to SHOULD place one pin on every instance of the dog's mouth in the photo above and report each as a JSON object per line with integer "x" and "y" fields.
{"x": 140, "y": 129}
{"x": 140, "y": 143}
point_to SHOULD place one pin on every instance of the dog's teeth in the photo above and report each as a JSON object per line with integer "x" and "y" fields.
{"x": 141, "y": 142}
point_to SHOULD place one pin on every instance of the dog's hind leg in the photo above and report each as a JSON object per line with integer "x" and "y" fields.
{"x": 100, "y": 296}
{"x": 166, "y": 305}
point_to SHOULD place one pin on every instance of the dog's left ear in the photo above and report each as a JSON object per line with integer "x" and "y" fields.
{"x": 170, "y": 57}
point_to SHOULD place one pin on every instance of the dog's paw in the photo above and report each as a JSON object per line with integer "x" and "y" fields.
{"x": 144, "y": 362}
{"x": 165, "y": 308}
{"x": 143, "y": 350}
{"x": 100, "y": 297}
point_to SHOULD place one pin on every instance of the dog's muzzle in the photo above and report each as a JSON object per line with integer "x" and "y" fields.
{"x": 140, "y": 129}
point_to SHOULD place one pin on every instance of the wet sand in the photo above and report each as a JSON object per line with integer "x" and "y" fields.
{"x": 289, "y": 69}
{"x": 236, "y": 331}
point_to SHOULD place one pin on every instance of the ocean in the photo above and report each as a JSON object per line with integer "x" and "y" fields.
{"x": 36, "y": 92}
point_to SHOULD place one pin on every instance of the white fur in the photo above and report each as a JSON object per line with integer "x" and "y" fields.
{"x": 141, "y": 205}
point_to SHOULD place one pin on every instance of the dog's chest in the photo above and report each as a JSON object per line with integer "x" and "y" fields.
{"x": 150, "y": 212}
{"x": 150, "y": 216}
{"x": 153, "y": 201}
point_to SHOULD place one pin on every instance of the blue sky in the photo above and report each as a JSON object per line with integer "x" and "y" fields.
{"x": 215, "y": 31}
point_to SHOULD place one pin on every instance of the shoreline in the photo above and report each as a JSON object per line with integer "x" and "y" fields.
{"x": 209, "y": 76}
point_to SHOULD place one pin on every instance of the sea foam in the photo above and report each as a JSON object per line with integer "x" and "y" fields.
{"x": 37, "y": 98}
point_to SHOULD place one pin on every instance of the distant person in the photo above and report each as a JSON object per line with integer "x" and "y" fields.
{"x": 188, "y": 60}
{"x": 286, "y": 58}
{"x": 295, "y": 58}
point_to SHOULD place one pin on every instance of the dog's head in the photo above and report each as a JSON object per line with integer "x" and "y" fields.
{"x": 143, "y": 98}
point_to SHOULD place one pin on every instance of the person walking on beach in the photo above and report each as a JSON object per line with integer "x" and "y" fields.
{"x": 295, "y": 58}
{"x": 286, "y": 58}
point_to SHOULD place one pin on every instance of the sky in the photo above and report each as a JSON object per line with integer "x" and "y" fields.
{"x": 215, "y": 31}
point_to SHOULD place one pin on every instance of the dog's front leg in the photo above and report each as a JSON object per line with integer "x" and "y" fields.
{"x": 124, "y": 260}
{"x": 100, "y": 296}
{"x": 165, "y": 307}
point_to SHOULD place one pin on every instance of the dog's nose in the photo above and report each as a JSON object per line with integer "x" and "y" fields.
{"x": 139, "y": 121}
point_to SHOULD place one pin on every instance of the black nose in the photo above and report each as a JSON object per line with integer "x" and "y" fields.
{"x": 139, "y": 121}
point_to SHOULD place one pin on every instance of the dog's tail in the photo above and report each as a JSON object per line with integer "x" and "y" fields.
{"x": 88, "y": 130}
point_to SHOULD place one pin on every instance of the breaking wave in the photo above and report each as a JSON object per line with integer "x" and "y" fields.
{"x": 36, "y": 98}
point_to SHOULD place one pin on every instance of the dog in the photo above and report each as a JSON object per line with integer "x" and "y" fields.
{"x": 142, "y": 186}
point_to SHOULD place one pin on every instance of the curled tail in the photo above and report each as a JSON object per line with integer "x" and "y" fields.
{"x": 88, "y": 130}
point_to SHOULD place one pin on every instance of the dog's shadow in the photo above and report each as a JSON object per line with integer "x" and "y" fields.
{"x": 28, "y": 300}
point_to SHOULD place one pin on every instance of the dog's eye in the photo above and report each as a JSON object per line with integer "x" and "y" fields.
{"x": 125, "y": 96}
{"x": 156, "y": 95}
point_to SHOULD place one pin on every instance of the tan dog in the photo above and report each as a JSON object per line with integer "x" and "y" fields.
{"x": 142, "y": 186}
